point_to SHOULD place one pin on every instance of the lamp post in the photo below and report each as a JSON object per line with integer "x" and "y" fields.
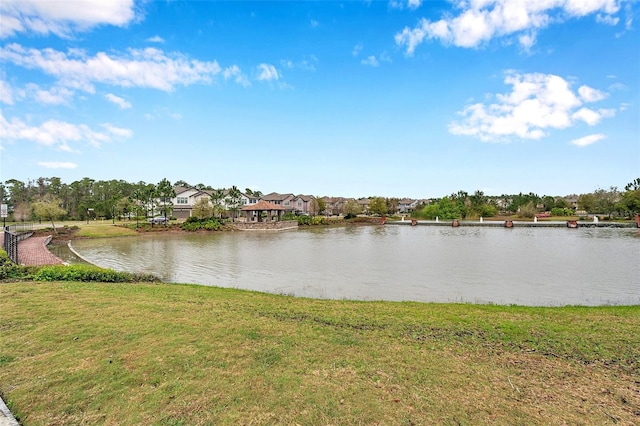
{"x": 4, "y": 210}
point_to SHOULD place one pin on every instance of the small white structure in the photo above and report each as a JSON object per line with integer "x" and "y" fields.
{"x": 595, "y": 219}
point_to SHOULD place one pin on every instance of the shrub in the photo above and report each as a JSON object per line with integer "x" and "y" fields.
{"x": 303, "y": 220}
{"x": 11, "y": 271}
{"x": 4, "y": 258}
{"x": 557, "y": 211}
{"x": 194, "y": 224}
{"x": 319, "y": 220}
{"x": 87, "y": 273}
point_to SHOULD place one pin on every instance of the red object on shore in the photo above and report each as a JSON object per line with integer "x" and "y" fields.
{"x": 508, "y": 224}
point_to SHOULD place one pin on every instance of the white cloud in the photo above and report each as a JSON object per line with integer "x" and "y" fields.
{"x": 162, "y": 113}
{"x": 155, "y": 39}
{"x": 57, "y": 164}
{"x": 235, "y": 73}
{"x": 587, "y": 115}
{"x": 308, "y": 63}
{"x": 62, "y": 18}
{"x": 536, "y": 104}
{"x": 607, "y": 19}
{"x": 618, "y": 86}
{"x": 479, "y": 21}
{"x": 267, "y": 72}
{"x": 588, "y": 140}
{"x": 370, "y": 60}
{"x": 150, "y": 68}
{"x": 356, "y": 49}
{"x": 314, "y": 23}
{"x": 121, "y": 102}
{"x": 589, "y": 94}
{"x": 400, "y": 4}
{"x": 57, "y": 134}
{"x": 117, "y": 131}
{"x": 6, "y": 93}
{"x": 54, "y": 96}
{"x": 527, "y": 41}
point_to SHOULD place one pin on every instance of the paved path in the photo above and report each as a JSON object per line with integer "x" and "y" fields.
{"x": 6, "y": 418}
{"x": 33, "y": 252}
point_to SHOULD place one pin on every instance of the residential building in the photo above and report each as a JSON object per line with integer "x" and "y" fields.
{"x": 186, "y": 198}
{"x": 283, "y": 200}
{"x": 407, "y": 205}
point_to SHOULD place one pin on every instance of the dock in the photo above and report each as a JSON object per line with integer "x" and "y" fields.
{"x": 513, "y": 223}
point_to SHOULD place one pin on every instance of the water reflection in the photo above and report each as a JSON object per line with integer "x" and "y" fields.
{"x": 433, "y": 264}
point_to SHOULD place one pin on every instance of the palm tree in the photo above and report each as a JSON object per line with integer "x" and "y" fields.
{"x": 233, "y": 200}
{"x": 217, "y": 200}
{"x": 164, "y": 190}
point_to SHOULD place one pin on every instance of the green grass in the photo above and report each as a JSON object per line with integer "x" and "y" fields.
{"x": 103, "y": 230}
{"x": 162, "y": 354}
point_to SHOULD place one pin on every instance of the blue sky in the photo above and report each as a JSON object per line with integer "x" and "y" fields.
{"x": 402, "y": 98}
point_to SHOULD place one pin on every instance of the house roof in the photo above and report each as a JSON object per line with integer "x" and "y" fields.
{"x": 274, "y": 196}
{"x": 407, "y": 201}
{"x": 180, "y": 189}
{"x": 261, "y": 206}
{"x": 202, "y": 192}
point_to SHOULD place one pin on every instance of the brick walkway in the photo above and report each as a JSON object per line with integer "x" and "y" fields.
{"x": 34, "y": 252}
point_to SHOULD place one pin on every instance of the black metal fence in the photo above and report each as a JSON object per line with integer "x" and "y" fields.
{"x": 19, "y": 228}
{"x": 11, "y": 240}
{"x": 13, "y": 235}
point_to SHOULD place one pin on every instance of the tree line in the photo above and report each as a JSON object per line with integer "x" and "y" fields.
{"x": 84, "y": 199}
{"x": 89, "y": 199}
{"x": 462, "y": 205}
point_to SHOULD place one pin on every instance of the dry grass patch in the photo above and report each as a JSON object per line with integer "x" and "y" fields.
{"x": 73, "y": 353}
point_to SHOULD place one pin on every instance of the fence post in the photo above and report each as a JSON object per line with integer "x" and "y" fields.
{"x": 11, "y": 245}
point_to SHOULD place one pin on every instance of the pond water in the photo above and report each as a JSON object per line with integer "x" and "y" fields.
{"x": 525, "y": 266}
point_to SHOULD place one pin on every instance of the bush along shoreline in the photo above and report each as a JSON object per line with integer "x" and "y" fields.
{"x": 10, "y": 271}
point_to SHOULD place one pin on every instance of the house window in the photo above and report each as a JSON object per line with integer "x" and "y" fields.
{"x": 182, "y": 200}
{"x": 299, "y": 203}
{"x": 286, "y": 203}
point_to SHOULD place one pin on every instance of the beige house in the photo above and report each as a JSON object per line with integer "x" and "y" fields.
{"x": 186, "y": 198}
{"x": 299, "y": 204}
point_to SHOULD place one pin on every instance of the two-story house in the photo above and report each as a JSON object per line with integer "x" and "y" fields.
{"x": 283, "y": 200}
{"x": 298, "y": 204}
{"x": 186, "y": 198}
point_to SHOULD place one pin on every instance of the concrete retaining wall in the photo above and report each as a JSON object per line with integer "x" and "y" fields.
{"x": 266, "y": 226}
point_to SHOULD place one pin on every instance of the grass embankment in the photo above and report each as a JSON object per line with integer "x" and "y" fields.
{"x": 104, "y": 231}
{"x": 76, "y": 353}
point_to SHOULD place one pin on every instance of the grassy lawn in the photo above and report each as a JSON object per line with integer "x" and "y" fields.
{"x": 103, "y": 230}
{"x": 162, "y": 354}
